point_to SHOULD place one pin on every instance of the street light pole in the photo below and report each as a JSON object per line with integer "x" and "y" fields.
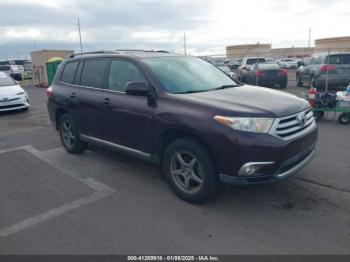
{"x": 81, "y": 45}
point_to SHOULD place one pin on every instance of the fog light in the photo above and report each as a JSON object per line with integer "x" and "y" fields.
{"x": 249, "y": 169}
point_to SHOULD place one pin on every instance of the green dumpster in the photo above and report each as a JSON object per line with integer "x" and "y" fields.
{"x": 51, "y": 68}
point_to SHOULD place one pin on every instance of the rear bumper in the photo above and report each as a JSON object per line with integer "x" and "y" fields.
{"x": 288, "y": 168}
{"x": 333, "y": 81}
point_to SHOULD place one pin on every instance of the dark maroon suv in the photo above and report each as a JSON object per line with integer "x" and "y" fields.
{"x": 201, "y": 126}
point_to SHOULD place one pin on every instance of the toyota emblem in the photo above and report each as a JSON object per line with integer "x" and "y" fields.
{"x": 301, "y": 120}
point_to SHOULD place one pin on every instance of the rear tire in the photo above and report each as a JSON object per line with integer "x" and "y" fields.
{"x": 190, "y": 171}
{"x": 299, "y": 83}
{"x": 283, "y": 85}
{"x": 344, "y": 118}
{"x": 70, "y": 136}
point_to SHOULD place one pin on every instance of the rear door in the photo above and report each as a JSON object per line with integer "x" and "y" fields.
{"x": 90, "y": 83}
{"x": 127, "y": 119}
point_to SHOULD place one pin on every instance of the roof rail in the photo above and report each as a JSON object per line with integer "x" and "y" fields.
{"x": 91, "y": 53}
{"x": 140, "y": 50}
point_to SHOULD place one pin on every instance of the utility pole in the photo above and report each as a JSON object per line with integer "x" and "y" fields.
{"x": 185, "y": 47}
{"x": 81, "y": 45}
{"x": 309, "y": 37}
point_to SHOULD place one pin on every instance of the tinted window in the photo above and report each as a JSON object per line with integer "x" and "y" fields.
{"x": 5, "y": 68}
{"x": 121, "y": 72}
{"x": 340, "y": 59}
{"x": 93, "y": 73}
{"x": 78, "y": 74}
{"x": 69, "y": 72}
{"x": 255, "y": 60}
{"x": 267, "y": 66}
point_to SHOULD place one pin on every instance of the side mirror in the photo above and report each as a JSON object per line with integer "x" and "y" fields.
{"x": 137, "y": 89}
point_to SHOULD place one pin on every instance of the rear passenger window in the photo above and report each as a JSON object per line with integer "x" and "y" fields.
{"x": 93, "y": 73}
{"x": 121, "y": 72}
{"x": 69, "y": 72}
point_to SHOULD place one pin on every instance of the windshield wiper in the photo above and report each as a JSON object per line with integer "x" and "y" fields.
{"x": 224, "y": 87}
{"x": 193, "y": 91}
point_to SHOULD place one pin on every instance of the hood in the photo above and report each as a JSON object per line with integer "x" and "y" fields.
{"x": 10, "y": 90}
{"x": 249, "y": 101}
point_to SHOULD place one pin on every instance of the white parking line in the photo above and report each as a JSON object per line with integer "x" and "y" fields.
{"x": 54, "y": 213}
{"x": 102, "y": 191}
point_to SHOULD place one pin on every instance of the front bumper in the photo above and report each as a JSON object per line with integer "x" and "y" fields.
{"x": 232, "y": 151}
{"x": 290, "y": 167}
{"x": 14, "y": 103}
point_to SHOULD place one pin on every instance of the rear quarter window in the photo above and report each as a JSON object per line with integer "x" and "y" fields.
{"x": 68, "y": 73}
{"x": 341, "y": 59}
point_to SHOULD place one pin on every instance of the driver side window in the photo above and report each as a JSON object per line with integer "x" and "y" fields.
{"x": 121, "y": 72}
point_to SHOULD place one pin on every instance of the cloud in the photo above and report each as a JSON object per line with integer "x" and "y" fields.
{"x": 158, "y": 24}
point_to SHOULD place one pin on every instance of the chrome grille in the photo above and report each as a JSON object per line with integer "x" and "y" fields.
{"x": 294, "y": 126}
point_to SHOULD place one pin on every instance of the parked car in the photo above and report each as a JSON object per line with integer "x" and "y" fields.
{"x": 288, "y": 63}
{"x": 320, "y": 67}
{"x": 12, "y": 95}
{"x": 15, "y": 71}
{"x": 227, "y": 71}
{"x": 246, "y": 66}
{"x": 233, "y": 64}
{"x": 304, "y": 61}
{"x": 266, "y": 74}
{"x": 183, "y": 113}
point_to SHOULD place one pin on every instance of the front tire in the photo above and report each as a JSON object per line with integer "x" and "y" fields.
{"x": 344, "y": 119}
{"x": 190, "y": 171}
{"x": 70, "y": 136}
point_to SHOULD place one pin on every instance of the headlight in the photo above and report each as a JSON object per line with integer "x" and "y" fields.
{"x": 257, "y": 125}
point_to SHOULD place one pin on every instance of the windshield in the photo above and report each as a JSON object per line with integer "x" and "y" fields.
{"x": 187, "y": 74}
{"x": 6, "y": 80}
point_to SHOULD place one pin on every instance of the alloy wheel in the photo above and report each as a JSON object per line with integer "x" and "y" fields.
{"x": 67, "y": 133}
{"x": 186, "y": 172}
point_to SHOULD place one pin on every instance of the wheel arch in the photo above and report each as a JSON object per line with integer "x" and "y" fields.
{"x": 170, "y": 135}
{"x": 58, "y": 114}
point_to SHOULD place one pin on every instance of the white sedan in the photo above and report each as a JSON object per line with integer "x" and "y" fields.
{"x": 12, "y": 95}
{"x": 288, "y": 63}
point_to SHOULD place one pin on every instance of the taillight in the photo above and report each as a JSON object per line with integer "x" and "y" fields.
{"x": 259, "y": 73}
{"x": 283, "y": 72}
{"x": 326, "y": 68}
{"x": 48, "y": 91}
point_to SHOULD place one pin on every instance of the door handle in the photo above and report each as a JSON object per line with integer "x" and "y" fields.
{"x": 106, "y": 101}
{"x": 73, "y": 95}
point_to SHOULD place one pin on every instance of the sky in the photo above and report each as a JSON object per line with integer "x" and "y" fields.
{"x": 210, "y": 25}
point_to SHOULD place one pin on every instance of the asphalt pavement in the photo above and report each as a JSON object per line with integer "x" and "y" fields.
{"x": 102, "y": 202}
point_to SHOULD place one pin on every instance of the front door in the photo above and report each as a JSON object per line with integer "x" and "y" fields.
{"x": 127, "y": 119}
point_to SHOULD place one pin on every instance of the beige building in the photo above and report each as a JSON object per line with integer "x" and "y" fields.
{"x": 334, "y": 44}
{"x": 241, "y": 51}
{"x": 292, "y": 52}
{"x": 39, "y": 59}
